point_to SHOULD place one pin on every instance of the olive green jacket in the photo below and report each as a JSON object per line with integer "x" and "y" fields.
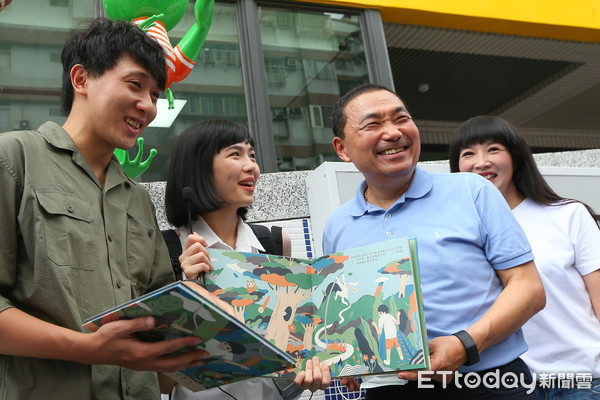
{"x": 70, "y": 249}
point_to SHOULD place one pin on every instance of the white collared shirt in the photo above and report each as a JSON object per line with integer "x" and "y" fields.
{"x": 255, "y": 388}
{"x": 245, "y": 241}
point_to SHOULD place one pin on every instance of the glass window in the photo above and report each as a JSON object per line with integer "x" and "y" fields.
{"x": 59, "y": 3}
{"x": 4, "y": 56}
{"x": 4, "y": 114}
{"x": 311, "y": 58}
{"x": 33, "y": 33}
{"x": 213, "y": 89}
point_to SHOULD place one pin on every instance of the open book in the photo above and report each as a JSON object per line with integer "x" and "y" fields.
{"x": 361, "y": 309}
{"x": 236, "y": 351}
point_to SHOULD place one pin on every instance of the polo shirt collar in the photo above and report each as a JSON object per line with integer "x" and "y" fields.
{"x": 359, "y": 205}
{"x": 421, "y": 184}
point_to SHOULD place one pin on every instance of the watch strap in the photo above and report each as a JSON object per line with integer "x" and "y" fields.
{"x": 470, "y": 346}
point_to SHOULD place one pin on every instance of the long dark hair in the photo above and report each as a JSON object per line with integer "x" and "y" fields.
{"x": 526, "y": 175}
{"x": 191, "y": 164}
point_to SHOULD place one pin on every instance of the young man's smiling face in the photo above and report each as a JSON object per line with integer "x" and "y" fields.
{"x": 381, "y": 138}
{"x": 121, "y": 103}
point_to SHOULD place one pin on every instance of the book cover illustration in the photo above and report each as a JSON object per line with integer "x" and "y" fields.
{"x": 236, "y": 352}
{"x": 360, "y": 310}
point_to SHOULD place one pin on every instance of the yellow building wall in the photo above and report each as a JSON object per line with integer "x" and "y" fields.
{"x": 571, "y": 20}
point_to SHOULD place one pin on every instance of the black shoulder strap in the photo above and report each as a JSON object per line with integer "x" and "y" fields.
{"x": 263, "y": 234}
{"x": 174, "y": 246}
{"x": 277, "y": 239}
{"x": 271, "y": 240}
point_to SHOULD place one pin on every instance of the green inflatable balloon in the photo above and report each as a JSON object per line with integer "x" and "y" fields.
{"x": 134, "y": 168}
{"x": 156, "y": 17}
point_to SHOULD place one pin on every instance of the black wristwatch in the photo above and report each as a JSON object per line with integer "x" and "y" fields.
{"x": 469, "y": 343}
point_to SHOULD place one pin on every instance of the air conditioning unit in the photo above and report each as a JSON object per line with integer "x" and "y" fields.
{"x": 291, "y": 63}
{"x": 295, "y": 112}
{"x": 279, "y": 114}
{"x": 268, "y": 21}
{"x": 284, "y": 20}
{"x": 24, "y": 124}
{"x": 207, "y": 56}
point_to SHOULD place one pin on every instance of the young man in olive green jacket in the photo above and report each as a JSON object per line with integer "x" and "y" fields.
{"x": 78, "y": 236}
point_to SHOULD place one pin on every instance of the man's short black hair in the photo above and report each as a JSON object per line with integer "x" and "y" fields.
{"x": 338, "y": 115}
{"x": 100, "y": 47}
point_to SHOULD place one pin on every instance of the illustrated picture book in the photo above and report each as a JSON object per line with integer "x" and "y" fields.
{"x": 236, "y": 351}
{"x": 361, "y": 310}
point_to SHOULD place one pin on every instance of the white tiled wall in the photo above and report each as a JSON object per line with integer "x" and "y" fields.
{"x": 334, "y": 392}
{"x": 300, "y": 234}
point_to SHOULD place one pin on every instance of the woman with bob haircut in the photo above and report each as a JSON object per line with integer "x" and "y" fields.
{"x": 210, "y": 185}
{"x": 565, "y": 239}
{"x": 191, "y": 165}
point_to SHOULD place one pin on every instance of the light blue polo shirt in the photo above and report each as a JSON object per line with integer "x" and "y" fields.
{"x": 464, "y": 230}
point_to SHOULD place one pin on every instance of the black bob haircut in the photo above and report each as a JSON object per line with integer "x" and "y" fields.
{"x": 486, "y": 128}
{"x": 102, "y": 45}
{"x": 191, "y": 165}
{"x": 526, "y": 176}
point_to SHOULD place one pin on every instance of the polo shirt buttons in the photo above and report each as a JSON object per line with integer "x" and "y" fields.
{"x": 70, "y": 208}
{"x": 388, "y": 215}
{"x": 389, "y": 233}
{"x": 118, "y": 284}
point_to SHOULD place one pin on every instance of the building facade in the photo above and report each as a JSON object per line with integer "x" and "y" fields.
{"x": 278, "y": 67}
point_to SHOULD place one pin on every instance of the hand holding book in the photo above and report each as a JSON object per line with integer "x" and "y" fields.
{"x": 180, "y": 311}
{"x": 316, "y": 375}
{"x": 118, "y": 344}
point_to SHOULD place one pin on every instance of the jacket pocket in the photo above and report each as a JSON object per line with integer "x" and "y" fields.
{"x": 141, "y": 243}
{"x": 68, "y": 229}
